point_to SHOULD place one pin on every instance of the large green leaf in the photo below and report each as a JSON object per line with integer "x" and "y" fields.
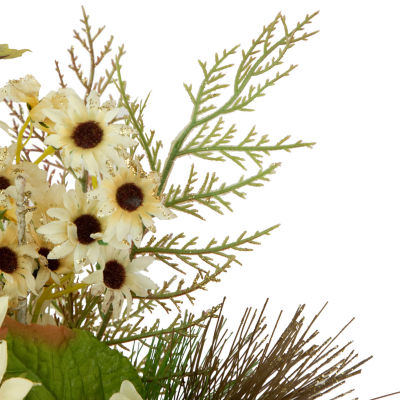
{"x": 69, "y": 365}
{"x": 6, "y": 53}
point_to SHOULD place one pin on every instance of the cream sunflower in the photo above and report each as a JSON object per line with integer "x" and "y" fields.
{"x": 49, "y": 268}
{"x": 13, "y": 388}
{"x": 85, "y": 135}
{"x": 7, "y": 155}
{"x": 77, "y": 229}
{"x": 23, "y": 90}
{"x": 35, "y": 178}
{"x": 118, "y": 277}
{"x": 16, "y": 263}
{"x": 129, "y": 201}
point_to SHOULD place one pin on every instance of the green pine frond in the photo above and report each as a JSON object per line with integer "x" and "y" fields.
{"x": 264, "y": 57}
{"x": 170, "y": 247}
{"x": 218, "y": 145}
{"x": 182, "y": 324}
{"x": 213, "y": 195}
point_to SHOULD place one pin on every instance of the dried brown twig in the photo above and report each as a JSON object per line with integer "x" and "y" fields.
{"x": 253, "y": 364}
{"x": 95, "y": 59}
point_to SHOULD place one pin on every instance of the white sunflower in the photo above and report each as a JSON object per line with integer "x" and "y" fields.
{"x": 23, "y": 90}
{"x": 129, "y": 200}
{"x": 118, "y": 277}
{"x": 49, "y": 268}
{"x": 126, "y": 392}
{"x": 16, "y": 263}
{"x": 76, "y": 230}
{"x": 85, "y": 135}
{"x": 13, "y": 388}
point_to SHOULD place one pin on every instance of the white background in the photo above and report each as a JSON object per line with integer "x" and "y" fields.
{"x": 338, "y": 203}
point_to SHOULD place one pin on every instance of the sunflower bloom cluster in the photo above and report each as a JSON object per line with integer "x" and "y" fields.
{"x": 81, "y": 230}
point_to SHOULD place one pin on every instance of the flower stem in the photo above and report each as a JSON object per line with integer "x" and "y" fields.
{"x": 19, "y": 140}
{"x": 20, "y": 203}
{"x": 50, "y": 150}
{"x": 105, "y": 322}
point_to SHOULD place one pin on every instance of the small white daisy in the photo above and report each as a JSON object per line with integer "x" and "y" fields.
{"x": 118, "y": 277}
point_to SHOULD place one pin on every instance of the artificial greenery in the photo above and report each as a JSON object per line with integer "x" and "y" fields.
{"x": 188, "y": 356}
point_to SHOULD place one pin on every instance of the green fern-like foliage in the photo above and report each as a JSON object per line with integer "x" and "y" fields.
{"x": 230, "y": 84}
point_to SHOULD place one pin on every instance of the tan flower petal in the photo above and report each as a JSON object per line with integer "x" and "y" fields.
{"x": 15, "y": 388}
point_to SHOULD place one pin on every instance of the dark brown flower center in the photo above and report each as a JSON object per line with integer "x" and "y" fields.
{"x": 87, "y": 224}
{"x": 114, "y": 275}
{"x": 129, "y": 197}
{"x": 8, "y": 260}
{"x": 87, "y": 134}
{"x": 51, "y": 264}
{"x": 4, "y": 183}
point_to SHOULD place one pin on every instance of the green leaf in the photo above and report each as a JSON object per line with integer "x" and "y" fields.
{"x": 68, "y": 364}
{"x": 7, "y": 53}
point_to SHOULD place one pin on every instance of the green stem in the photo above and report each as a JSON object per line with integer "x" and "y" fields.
{"x": 86, "y": 311}
{"x": 39, "y": 303}
{"x": 142, "y": 138}
{"x": 84, "y": 181}
{"x": 105, "y": 322}
{"x": 19, "y": 140}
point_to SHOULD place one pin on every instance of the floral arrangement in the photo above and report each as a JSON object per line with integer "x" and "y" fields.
{"x": 83, "y": 185}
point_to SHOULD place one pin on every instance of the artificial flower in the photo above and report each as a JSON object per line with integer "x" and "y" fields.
{"x": 13, "y": 388}
{"x": 129, "y": 200}
{"x": 118, "y": 276}
{"x": 16, "y": 263}
{"x": 77, "y": 229}
{"x": 35, "y": 180}
{"x": 86, "y": 136}
{"x": 49, "y": 268}
{"x": 52, "y": 101}
{"x": 126, "y": 392}
{"x": 52, "y": 197}
{"x": 24, "y": 90}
